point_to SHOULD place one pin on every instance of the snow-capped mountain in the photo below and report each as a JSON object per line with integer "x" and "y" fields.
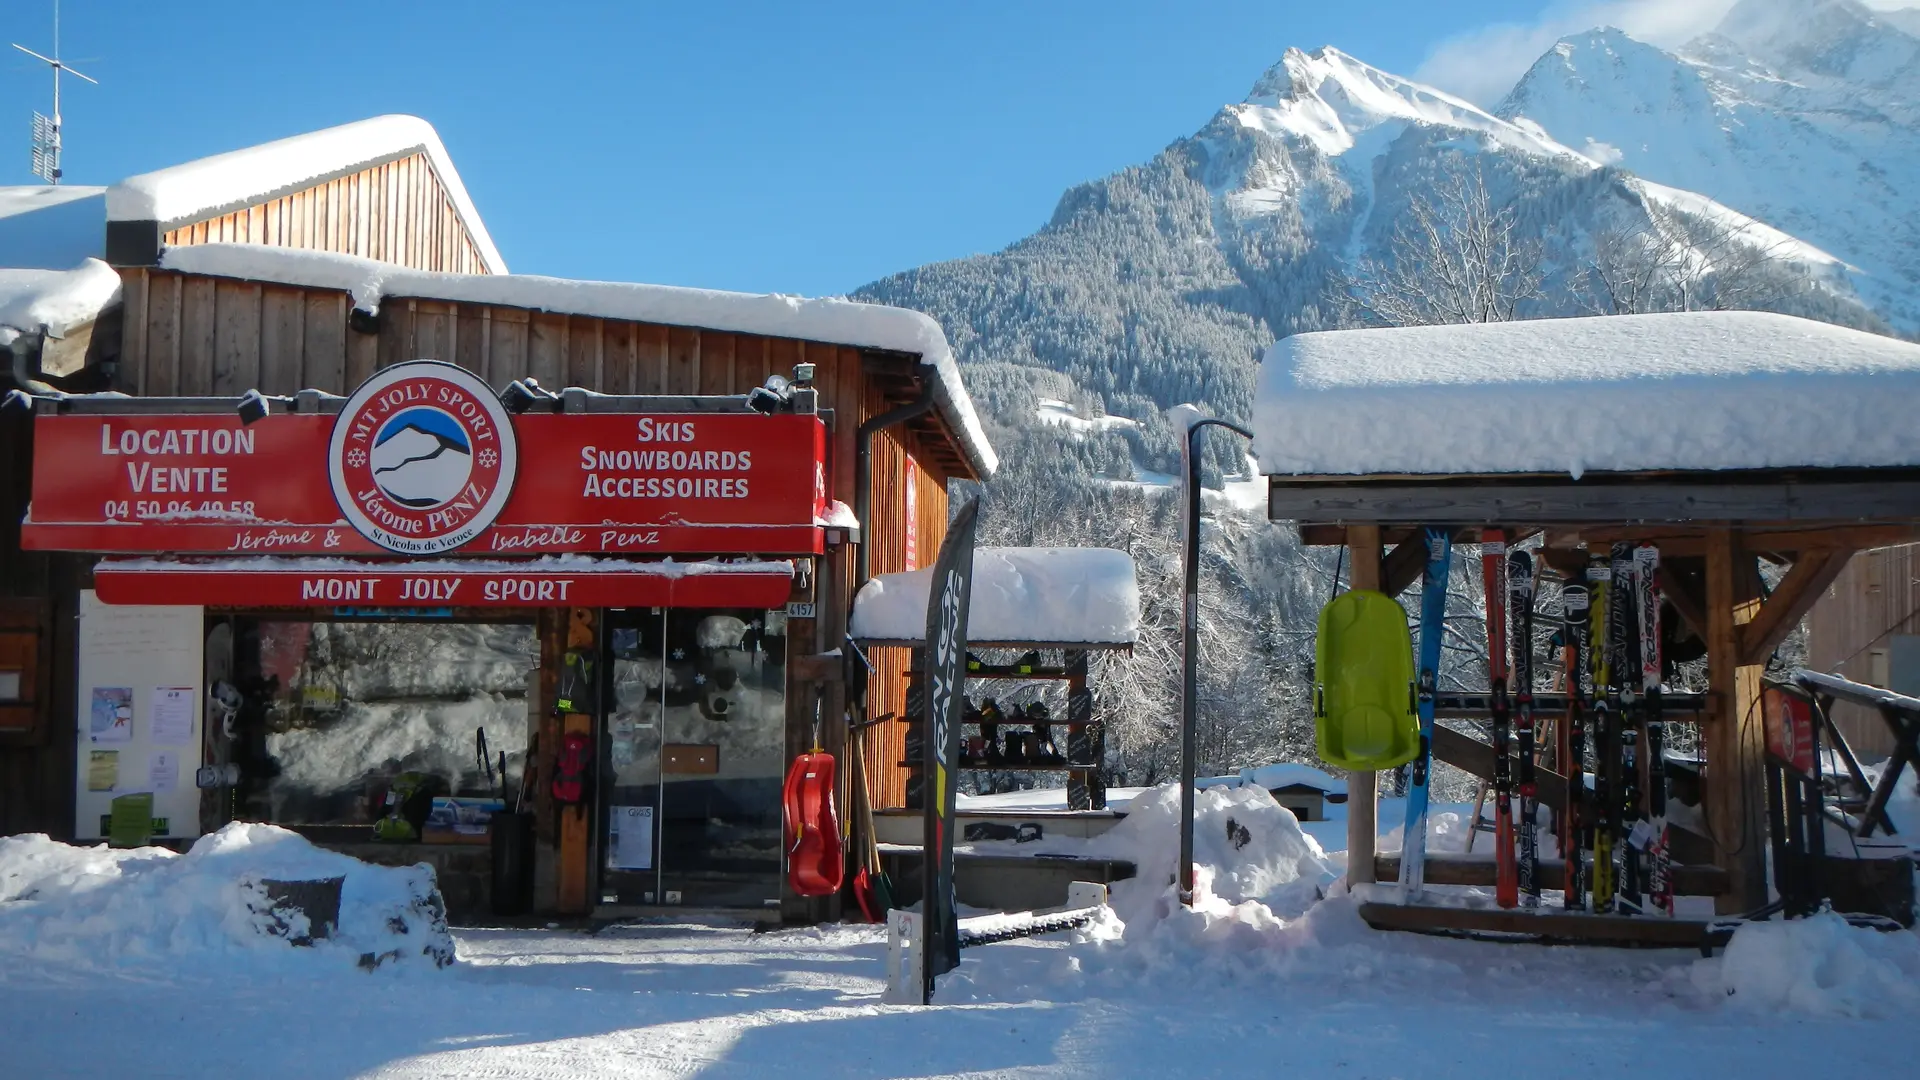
{"x": 1802, "y": 113}
{"x": 1162, "y": 283}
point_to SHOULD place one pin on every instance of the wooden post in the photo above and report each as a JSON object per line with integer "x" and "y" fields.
{"x": 1733, "y": 733}
{"x": 1363, "y": 548}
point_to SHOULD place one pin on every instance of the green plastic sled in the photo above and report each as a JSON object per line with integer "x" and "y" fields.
{"x": 1363, "y": 698}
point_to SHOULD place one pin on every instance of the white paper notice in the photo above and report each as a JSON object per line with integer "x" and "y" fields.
{"x": 172, "y": 723}
{"x": 163, "y": 770}
{"x": 632, "y": 846}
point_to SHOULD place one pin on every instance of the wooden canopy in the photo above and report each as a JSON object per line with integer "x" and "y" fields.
{"x": 1713, "y": 529}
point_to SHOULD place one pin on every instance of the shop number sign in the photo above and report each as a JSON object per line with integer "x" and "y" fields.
{"x": 423, "y": 460}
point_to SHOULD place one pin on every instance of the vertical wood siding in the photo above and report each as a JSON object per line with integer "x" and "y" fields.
{"x": 397, "y": 212}
{"x": 195, "y": 335}
{"x": 1876, "y": 597}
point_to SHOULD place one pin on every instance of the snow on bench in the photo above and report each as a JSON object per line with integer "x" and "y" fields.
{"x": 1027, "y": 595}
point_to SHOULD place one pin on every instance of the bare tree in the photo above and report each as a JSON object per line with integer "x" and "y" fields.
{"x": 1455, "y": 257}
{"x": 1681, "y": 261}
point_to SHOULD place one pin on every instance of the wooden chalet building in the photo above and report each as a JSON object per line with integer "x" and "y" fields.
{"x": 679, "y": 596}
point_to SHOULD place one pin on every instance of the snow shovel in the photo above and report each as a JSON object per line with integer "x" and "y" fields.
{"x": 872, "y": 889}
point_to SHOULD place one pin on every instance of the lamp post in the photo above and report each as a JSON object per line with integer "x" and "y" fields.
{"x": 1189, "y": 620}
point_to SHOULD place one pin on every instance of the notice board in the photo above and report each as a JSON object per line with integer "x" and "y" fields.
{"x": 141, "y": 722}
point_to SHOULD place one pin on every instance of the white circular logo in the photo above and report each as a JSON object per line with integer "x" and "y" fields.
{"x": 422, "y": 457}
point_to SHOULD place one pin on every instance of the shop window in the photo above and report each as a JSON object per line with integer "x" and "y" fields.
{"x": 332, "y": 713}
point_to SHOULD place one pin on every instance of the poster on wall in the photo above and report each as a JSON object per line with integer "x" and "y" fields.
{"x": 631, "y": 846}
{"x": 110, "y": 715}
{"x": 140, "y": 674}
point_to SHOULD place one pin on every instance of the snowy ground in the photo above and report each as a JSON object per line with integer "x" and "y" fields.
{"x": 1287, "y": 987}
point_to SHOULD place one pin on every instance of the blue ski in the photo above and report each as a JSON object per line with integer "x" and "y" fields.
{"x": 1433, "y": 611}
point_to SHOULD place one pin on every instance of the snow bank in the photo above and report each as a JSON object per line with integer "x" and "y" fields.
{"x": 842, "y": 322}
{"x": 1250, "y": 847}
{"x": 1019, "y": 594}
{"x": 100, "y": 908}
{"x": 216, "y": 185}
{"x": 55, "y": 301}
{"x": 1818, "y": 965}
{"x": 1693, "y": 390}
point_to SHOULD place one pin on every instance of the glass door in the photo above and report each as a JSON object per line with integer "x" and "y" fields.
{"x": 632, "y": 678}
{"x": 696, "y": 750}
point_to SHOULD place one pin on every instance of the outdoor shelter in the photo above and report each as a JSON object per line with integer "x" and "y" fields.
{"x": 1728, "y": 439}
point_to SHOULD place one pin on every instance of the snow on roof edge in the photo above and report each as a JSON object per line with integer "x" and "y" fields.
{"x": 55, "y": 301}
{"x": 211, "y": 186}
{"x": 1068, "y": 596}
{"x": 834, "y": 320}
{"x": 1691, "y": 391}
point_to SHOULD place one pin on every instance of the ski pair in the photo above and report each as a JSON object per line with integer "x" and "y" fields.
{"x": 1621, "y": 689}
{"x": 1508, "y": 576}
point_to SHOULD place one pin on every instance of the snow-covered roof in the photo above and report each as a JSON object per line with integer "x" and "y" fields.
{"x": 1026, "y": 595}
{"x": 216, "y": 185}
{"x": 1692, "y": 390}
{"x": 838, "y": 321}
{"x": 1279, "y": 775}
{"x": 55, "y": 301}
{"x": 49, "y": 227}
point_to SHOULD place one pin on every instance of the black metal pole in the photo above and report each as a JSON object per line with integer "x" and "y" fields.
{"x": 1189, "y": 637}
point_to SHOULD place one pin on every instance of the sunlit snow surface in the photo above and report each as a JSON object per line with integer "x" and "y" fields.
{"x": 1227, "y": 990}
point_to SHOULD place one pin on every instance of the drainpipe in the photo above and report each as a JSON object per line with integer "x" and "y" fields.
{"x": 863, "y": 470}
{"x": 21, "y": 346}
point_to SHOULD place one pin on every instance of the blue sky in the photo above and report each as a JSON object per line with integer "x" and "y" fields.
{"x": 764, "y": 147}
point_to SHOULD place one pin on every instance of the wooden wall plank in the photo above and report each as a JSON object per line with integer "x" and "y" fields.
{"x": 196, "y": 336}
{"x": 324, "y": 329}
{"x": 433, "y": 330}
{"x": 716, "y": 363}
{"x": 283, "y": 340}
{"x": 471, "y": 334}
{"x": 236, "y": 328}
{"x": 618, "y": 363}
{"x": 508, "y": 352}
{"x": 683, "y": 360}
{"x": 583, "y": 352}
{"x": 133, "y": 330}
{"x": 650, "y": 359}
{"x": 547, "y": 349}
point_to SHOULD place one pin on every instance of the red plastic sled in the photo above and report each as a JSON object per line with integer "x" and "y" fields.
{"x": 816, "y": 865}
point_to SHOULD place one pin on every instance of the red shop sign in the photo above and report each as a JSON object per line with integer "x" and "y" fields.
{"x": 272, "y": 582}
{"x": 422, "y": 460}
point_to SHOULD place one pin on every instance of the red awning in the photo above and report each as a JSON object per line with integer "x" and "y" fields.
{"x": 270, "y": 582}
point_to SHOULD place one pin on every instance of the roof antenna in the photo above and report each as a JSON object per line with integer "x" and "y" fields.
{"x": 46, "y": 132}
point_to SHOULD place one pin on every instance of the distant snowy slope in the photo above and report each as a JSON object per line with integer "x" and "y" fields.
{"x": 1802, "y": 113}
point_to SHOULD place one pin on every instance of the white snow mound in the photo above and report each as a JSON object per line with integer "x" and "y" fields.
{"x": 1246, "y": 846}
{"x": 1819, "y": 965}
{"x": 96, "y": 907}
{"x": 55, "y": 301}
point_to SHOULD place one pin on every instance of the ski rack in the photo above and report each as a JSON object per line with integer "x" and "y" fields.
{"x": 1473, "y": 706}
{"x": 905, "y": 958}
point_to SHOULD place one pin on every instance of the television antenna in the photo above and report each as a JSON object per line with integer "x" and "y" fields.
{"x": 46, "y": 130}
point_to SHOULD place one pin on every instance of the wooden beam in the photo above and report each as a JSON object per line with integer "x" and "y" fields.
{"x": 1448, "y": 869}
{"x": 1556, "y": 927}
{"x": 1363, "y": 549}
{"x": 1473, "y": 502}
{"x": 1791, "y": 599}
{"x": 1684, "y": 597}
{"x": 1403, "y": 566}
{"x": 1734, "y": 793}
{"x": 1470, "y": 755}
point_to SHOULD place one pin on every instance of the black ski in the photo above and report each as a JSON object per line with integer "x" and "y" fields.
{"x": 1646, "y": 572}
{"x": 1520, "y": 625}
{"x": 1574, "y": 833}
{"x": 1625, "y": 670}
